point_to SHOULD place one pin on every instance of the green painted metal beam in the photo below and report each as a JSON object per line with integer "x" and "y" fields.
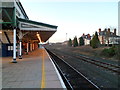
{"x": 14, "y": 19}
{"x": 6, "y": 22}
{"x": 0, "y": 10}
{"x": 7, "y": 15}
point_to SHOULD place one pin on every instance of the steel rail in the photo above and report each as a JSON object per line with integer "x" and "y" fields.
{"x": 101, "y": 64}
{"x": 73, "y": 75}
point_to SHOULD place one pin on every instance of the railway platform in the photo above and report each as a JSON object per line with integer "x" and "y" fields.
{"x": 35, "y": 70}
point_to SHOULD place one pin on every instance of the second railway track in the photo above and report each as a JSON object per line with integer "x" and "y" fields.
{"x": 104, "y": 65}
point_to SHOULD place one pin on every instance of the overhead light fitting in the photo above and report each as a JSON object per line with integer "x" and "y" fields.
{"x": 38, "y": 35}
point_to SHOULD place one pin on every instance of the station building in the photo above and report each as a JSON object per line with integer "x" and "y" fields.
{"x": 18, "y": 34}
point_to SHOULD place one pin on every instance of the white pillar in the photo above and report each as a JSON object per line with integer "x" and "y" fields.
{"x": 33, "y": 46}
{"x": 20, "y": 56}
{"x": 14, "y": 47}
{"x": 27, "y": 47}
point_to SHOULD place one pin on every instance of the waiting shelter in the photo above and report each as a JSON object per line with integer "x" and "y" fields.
{"x": 18, "y": 34}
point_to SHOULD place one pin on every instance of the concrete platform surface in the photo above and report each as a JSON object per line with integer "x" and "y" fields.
{"x": 35, "y": 70}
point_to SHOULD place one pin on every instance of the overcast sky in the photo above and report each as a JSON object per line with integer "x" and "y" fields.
{"x": 73, "y": 17}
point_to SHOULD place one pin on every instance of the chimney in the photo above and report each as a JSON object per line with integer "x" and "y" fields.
{"x": 99, "y": 30}
{"x": 105, "y": 29}
{"x": 109, "y": 30}
{"x": 88, "y": 36}
{"x": 83, "y": 35}
{"x": 115, "y": 31}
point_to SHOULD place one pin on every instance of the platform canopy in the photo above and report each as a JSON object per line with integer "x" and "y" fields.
{"x": 18, "y": 28}
{"x": 14, "y": 15}
{"x": 33, "y": 28}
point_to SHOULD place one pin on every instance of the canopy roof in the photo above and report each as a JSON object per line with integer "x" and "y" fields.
{"x": 29, "y": 25}
{"x": 33, "y": 28}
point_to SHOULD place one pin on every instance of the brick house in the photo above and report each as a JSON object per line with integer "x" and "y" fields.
{"x": 108, "y": 37}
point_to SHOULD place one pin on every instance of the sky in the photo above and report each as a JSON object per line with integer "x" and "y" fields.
{"x": 73, "y": 17}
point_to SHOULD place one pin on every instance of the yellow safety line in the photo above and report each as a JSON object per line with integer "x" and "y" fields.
{"x": 43, "y": 71}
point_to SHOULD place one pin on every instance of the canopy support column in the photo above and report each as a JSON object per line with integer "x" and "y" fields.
{"x": 31, "y": 47}
{"x": 27, "y": 48}
{"x": 20, "y": 35}
{"x": 20, "y": 56}
{"x": 14, "y": 46}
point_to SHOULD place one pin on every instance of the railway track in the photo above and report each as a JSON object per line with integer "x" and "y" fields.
{"x": 104, "y": 65}
{"x": 73, "y": 79}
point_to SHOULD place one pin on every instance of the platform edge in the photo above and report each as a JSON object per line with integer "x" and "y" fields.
{"x": 59, "y": 76}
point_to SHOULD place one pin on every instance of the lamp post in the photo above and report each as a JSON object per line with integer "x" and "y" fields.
{"x": 66, "y": 36}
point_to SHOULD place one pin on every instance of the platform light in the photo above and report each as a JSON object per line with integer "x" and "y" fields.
{"x": 38, "y": 35}
{"x": 0, "y": 31}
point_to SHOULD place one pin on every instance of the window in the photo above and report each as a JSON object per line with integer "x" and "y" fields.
{"x": 10, "y": 48}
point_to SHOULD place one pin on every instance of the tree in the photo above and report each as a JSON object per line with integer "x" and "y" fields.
{"x": 81, "y": 41}
{"x": 70, "y": 42}
{"x": 91, "y": 43}
{"x": 75, "y": 42}
{"x": 95, "y": 43}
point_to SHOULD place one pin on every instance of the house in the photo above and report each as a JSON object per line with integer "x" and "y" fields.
{"x": 65, "y": 43}
{"x": 86, "y": 38}
{"x": 108, "y": 37}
